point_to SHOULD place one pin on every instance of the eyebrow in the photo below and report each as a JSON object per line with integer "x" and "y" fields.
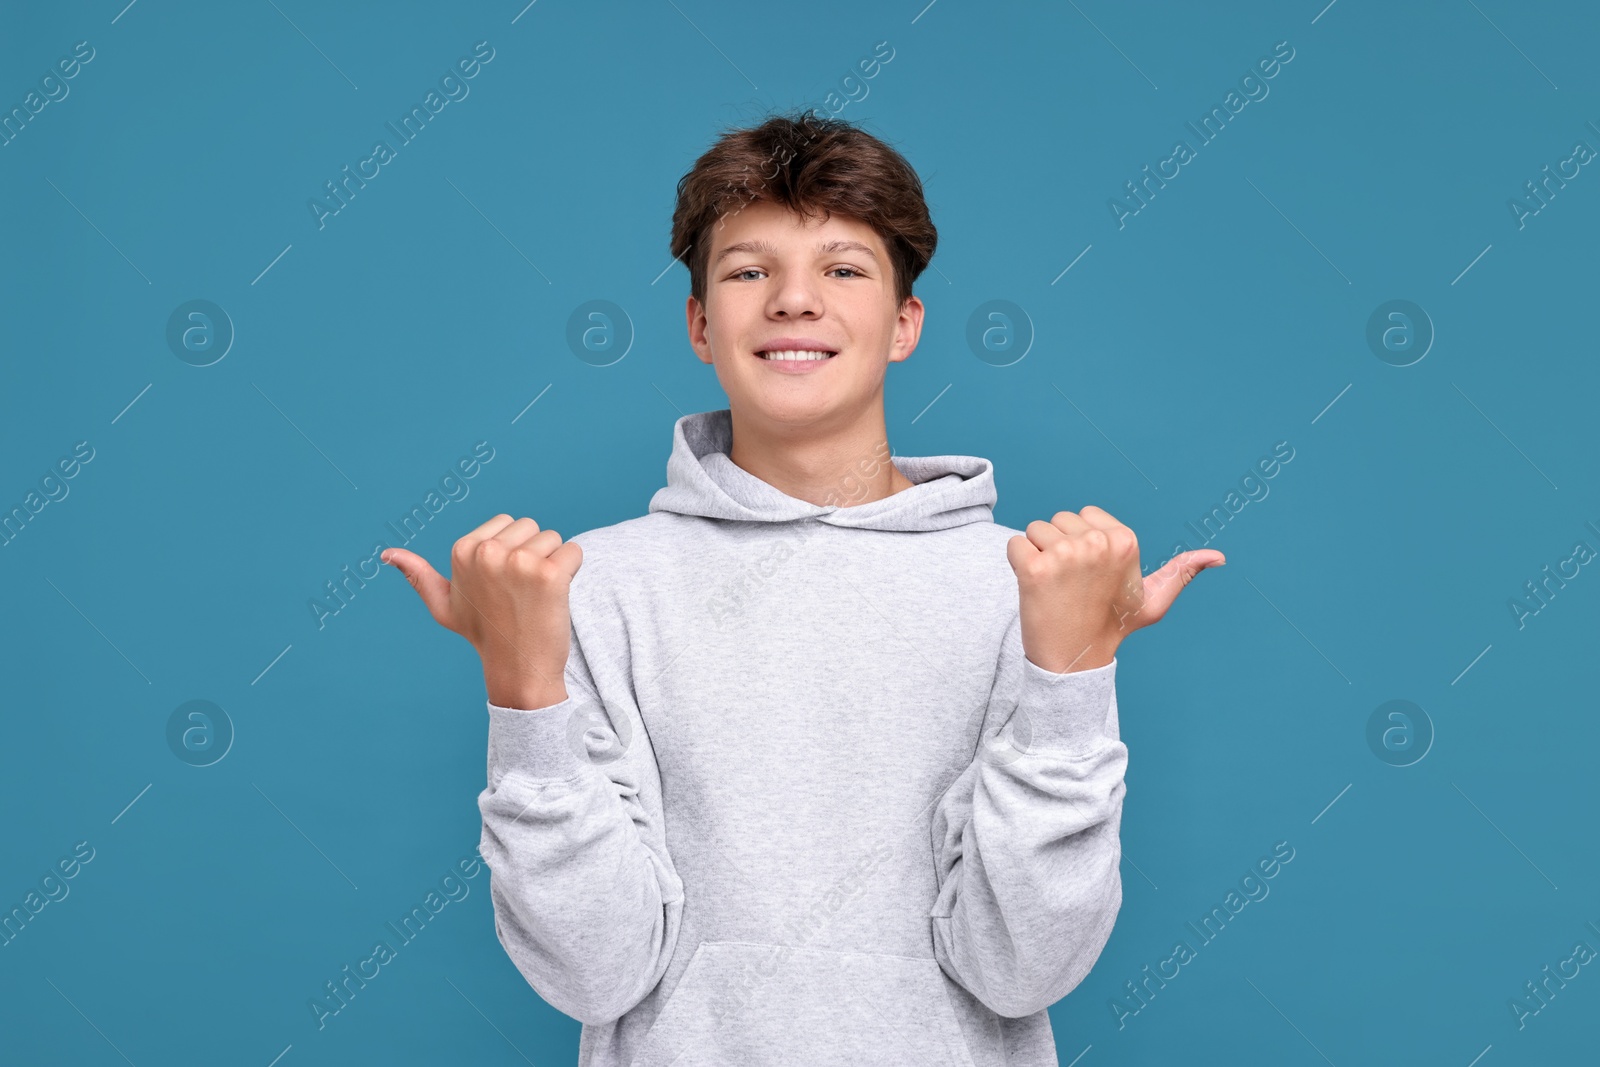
{"x": 768, "y": 248}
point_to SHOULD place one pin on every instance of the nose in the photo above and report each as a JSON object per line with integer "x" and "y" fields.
{"x": 796, "y": 296}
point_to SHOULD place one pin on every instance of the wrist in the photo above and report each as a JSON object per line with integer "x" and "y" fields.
{"x": 1076, "y": 656}
{"x": 514, "y": 689}
{"x": 526, "y": 698}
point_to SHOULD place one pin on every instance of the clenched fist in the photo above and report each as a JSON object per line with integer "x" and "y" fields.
{"x": 508, "y": 595}
{"x": 1080, "y": 590}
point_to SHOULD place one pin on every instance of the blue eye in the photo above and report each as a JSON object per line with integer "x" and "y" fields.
{"x": 756, "y": 270}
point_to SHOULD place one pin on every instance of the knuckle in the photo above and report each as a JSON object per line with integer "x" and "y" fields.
{"x": 535, "y": 567}
{"x": 521, "y": 560}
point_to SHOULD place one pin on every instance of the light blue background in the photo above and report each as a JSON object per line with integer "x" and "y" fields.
{"x": 1227, "y": 315}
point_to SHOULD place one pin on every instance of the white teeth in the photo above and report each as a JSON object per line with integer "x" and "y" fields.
{"x": 795, "y": 355}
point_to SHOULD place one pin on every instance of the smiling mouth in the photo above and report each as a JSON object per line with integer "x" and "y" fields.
{"x": 797, "y": 356}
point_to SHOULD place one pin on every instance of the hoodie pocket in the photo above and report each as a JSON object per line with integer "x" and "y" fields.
{"x": 747, "y": 1004}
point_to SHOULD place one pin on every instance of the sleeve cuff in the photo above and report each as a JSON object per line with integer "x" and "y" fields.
{"x": 542, "y": 743}
{"x": 1063, "y": 712}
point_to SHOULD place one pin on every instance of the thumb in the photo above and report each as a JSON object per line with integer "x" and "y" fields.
{"x": 431, "y": 586}
{"x": 569, "y": 557}
{"x": 1162, "y": 587}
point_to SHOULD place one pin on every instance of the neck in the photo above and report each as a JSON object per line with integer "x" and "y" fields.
{"x": 828, "y": 466}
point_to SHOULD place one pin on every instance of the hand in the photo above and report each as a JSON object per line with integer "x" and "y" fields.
{"x": 508, "y": 595}
{"x": 1080, "y": 590}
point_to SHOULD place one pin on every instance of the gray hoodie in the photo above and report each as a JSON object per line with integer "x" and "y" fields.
{"x": 806, "y": 801}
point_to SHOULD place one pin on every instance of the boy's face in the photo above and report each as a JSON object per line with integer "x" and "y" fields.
{"x": 826, "y": 285}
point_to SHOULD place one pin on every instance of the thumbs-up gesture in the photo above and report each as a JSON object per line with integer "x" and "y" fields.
{"x": 508, "y": 595}
{"x": 1080, "y": 590}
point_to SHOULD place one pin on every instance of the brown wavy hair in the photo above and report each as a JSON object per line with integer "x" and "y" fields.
{"x": 813, "y": 165}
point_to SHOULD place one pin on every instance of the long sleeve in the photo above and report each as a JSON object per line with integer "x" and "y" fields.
{"x": 1026, "y": 841}
{"x": 586, "y": 900}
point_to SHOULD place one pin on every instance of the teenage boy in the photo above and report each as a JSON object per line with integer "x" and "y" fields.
{"x": 813, "y": 763}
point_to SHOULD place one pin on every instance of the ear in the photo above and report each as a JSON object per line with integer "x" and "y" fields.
{"x": 695, "y": 318}
{"x": 907, "y": 330}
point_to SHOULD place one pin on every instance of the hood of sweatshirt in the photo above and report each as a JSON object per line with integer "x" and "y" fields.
{"x": 703, "y": 481}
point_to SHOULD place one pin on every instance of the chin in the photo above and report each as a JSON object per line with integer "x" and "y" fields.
{"x": 801, "y": 408}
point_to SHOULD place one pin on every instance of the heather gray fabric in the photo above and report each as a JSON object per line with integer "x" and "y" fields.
{"x": 807, "y": 802}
